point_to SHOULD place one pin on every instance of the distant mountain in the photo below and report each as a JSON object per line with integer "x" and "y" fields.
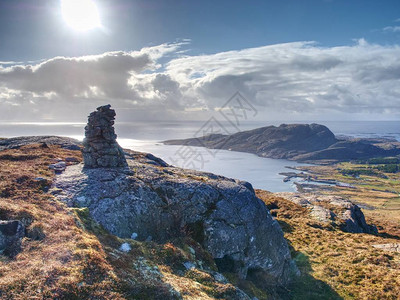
{"x": 299, "y": 142}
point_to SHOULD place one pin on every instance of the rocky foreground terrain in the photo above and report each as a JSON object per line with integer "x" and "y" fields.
{"x": 299, "y": 142}
{"x": 119, "y": 224}
{"x": 138, "y": 198}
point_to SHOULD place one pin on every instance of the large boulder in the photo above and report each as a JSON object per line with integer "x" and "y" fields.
{"x": 152, "y": 200}
{"x": 11, "y": 233}
{"x": 101, "y": 148}
{"x": 336, "y": 210}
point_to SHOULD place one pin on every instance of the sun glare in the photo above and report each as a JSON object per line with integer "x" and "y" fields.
{"x": 81, "y": 15}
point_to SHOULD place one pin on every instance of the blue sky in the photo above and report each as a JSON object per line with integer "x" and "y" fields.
{"x": 33, "y": 29}
{"x": 315, "y": 59}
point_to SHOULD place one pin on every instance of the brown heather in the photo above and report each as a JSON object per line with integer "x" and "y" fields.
{"x": 68, "y": 256}
{"x": 68, "y": 262}
{"x": 335, "y": 264}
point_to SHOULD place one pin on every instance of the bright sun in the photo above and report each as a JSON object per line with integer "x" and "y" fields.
{"x": 81, "y": 15}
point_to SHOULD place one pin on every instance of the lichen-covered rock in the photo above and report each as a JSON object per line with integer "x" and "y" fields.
{"x": 353, "y": 217}
{"x": 101, "y": 148}
{"x": 322, "y": 214}
{"x": 11, "y": 233}
{"x": 45, "y": 141}
{"x": 160, "y": 201}
{"x": 333, "y": 209}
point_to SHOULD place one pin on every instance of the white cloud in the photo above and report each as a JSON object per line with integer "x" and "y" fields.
{"x": 392, "y": 29}
{"x": 293, "y": 78}
{"x": 297, "y": 76}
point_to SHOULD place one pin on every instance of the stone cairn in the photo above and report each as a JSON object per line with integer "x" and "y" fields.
{"x": 101, "y": 149}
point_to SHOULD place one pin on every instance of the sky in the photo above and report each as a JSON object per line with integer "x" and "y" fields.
{"x": 182, "y": 60}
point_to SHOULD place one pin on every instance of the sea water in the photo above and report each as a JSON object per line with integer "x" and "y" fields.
{"x": 261, "y": 172}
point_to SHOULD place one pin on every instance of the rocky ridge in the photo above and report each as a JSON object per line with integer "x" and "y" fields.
{"x": 144, "y": 198}
{"x": 18, "y": 142}
{"x": 151, "y": 200}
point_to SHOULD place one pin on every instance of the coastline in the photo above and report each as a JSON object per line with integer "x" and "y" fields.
{"x": 315, "y": 244}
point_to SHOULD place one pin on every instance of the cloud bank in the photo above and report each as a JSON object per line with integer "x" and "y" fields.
{"x": 163, "y": 82}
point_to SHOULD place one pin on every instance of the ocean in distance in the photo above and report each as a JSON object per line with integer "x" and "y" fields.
{"x": 262, "y": 173}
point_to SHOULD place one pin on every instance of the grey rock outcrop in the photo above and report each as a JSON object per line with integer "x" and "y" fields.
{"x": 354, "y": 220}
{"x": 17, "y": 142}
{"x": 334, "y": 210}
{"x": 153, "y": 199}
{"x": 11, "y": 233}
{"x": 101, "y": 148}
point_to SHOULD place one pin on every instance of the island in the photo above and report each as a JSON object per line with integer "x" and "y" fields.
{"x": 312, "y": 143}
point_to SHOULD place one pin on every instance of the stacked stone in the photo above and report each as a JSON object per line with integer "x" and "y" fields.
{"x": 101, "y": 149}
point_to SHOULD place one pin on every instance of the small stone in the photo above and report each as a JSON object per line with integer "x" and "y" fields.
{"x": 188, "y": 265}
{"x": 40, "y": 179}
{"x": 192, "y": 250}
{"x": 58, "y": 167}
{"x": 56, "y": 191}
{"x": 134, "y": 236}
{"x": 81, "y": 201}
{"x": 125, "y": 247}
{"x": 72, "y": 160}
{"x": 219, "y": 277}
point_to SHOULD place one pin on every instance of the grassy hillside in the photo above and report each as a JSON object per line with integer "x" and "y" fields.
{"x": 335, "y": 264}
{"x": 370, "y": 186}
{"x": 59, "y": 259}
{"x": 65, "y": 255}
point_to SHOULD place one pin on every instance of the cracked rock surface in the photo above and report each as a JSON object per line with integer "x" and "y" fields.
{"x": 158, "y": 201}
{"x": 333, "y": 209}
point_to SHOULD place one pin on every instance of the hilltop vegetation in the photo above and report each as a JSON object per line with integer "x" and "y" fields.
{"x": 67, "y": 255}
{"x": 336, "y": 264}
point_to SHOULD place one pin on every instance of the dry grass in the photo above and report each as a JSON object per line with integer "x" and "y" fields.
{"x": 66, "y": 255}
{"x": 335, "y": 264}
{"x": 380, "y": 194}
{"x": 59, "y": 260}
